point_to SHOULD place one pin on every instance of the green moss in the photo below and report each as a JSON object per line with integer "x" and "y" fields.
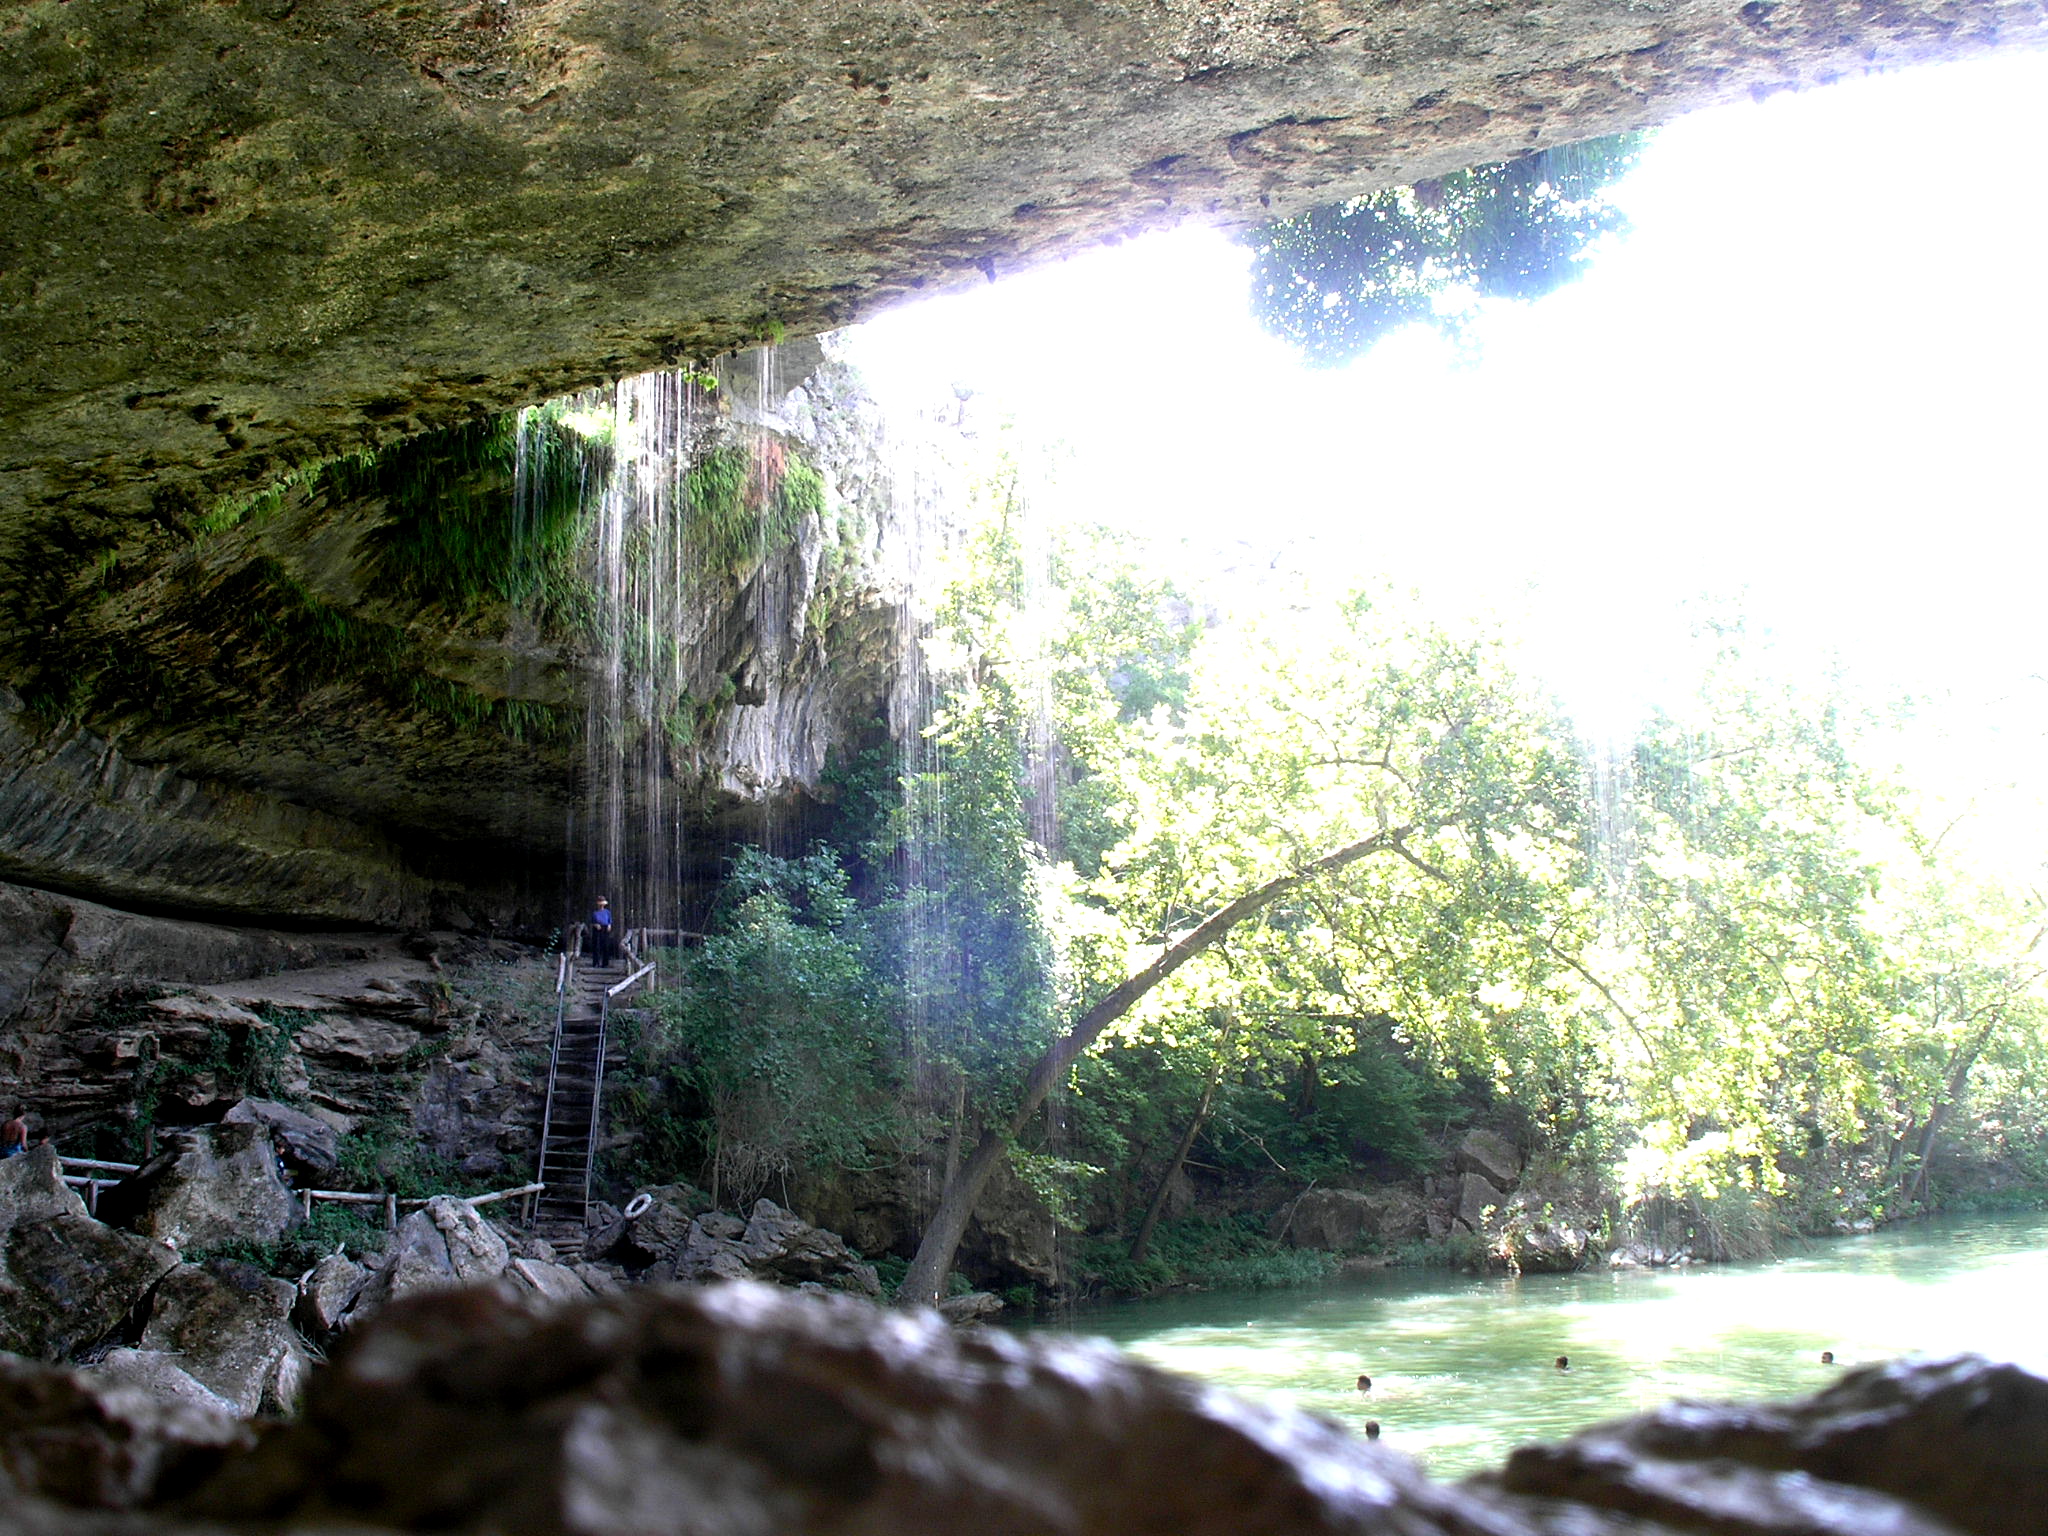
{"x": 253, "y": 508}
{"x": 744, "y": 505}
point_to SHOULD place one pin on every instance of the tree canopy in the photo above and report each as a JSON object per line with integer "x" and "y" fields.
{"x": 1336, "y": 279}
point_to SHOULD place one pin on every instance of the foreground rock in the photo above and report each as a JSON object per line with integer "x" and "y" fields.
{"x": 97, "y": 1442}
{"x": 746, "y": 1409}
{"x": 228, "y": 1326}
{"x": 1965, "y": 1440}
{"x": 739, "y": 1408}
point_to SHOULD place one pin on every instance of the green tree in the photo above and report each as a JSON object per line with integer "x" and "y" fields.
{"x": 1334, "y": 280}
{"x": 770, "y": 1048}
{"x": 1386, "y": 815}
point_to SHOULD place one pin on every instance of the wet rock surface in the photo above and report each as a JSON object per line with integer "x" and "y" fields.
{"x": 621, "y": 184}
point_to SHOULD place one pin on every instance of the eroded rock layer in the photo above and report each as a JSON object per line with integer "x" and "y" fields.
{"x": 399, "y": 692}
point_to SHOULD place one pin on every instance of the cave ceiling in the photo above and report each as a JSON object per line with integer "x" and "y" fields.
{"x": 241, "y": 235}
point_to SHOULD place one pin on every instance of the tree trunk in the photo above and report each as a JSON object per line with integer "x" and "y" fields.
{"x": 1960, "y": 1062}
{"x": 1142, "y": 1243}
{"x": 956, "y": 1133}
{"x": 926, "y": 1278}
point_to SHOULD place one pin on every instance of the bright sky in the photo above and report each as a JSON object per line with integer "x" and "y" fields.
{"x": 1810, "y": 377}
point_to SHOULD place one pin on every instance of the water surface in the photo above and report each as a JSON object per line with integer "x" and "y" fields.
{"x": 1462, "y": 1367}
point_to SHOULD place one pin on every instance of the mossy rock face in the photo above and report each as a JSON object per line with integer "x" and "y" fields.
{"x": 238, "y": 240}
{"x": 365, "y": 694}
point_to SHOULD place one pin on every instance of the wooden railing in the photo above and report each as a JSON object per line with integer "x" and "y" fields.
{"x": 92, "y": 1185}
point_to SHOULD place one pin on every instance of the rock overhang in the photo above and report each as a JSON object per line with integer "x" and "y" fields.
{"x": 245, "y": 236}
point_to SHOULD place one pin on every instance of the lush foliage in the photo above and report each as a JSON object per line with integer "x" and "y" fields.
{"x": 1334, "y": 280}
{"x": 767, "y": 1050}
{"x": 1724, "y": 971}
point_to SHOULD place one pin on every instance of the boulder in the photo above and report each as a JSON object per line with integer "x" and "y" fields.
{"x": 1490, "y": 1155}
{"x": 662, "y": 1227}
{"x": 66, "y": 1280}
{"x": 607, "y": 1231}
{"x": 1343, "y": 1220}
{"x": 444, "y": 1243}
{"x": 1966, "y": 1441}
{"x": 781, "y": 1245}
{"x": 212, "y": 1185}
{"x": 548, "y": 1281}
{"x": 745, "y": 1408}
{"x": 973, "y": 1308}
{"x": 161, "y": 1376}
{"x": 228, "y": 1326}
{"x": 32, "y": 1188}
{"x": 715, "y": 1250}
{"x": 99, "y": 1439}
{"x": 1546, "y": 1247}
{"x": 305, "y": 1141}
{"x": 1478, "y": 1202}
{"x": 603, "y": 1279}
{"x": 326, "y": 1294}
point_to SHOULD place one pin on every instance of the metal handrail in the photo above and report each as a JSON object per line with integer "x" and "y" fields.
{"x": 616, "y": 989}
{"x": 604, "y": 1025}
{"x": 604, "y": 1019}
{"x": 547, "y": 1114}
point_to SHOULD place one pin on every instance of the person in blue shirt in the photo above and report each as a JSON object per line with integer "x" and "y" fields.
{"x": 601, "y": 952}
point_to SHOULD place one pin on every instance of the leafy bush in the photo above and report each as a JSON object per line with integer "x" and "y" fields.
{"x": 385, "y": 1155}
{"x": 769, "y": 1047}
{"x": 1231, "y": 1254}
{"x": 332, "y": 1228}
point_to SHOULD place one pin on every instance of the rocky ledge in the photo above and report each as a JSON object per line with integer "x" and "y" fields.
{"x": 737, "y": 1408}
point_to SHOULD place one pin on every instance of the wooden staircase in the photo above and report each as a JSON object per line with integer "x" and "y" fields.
{"x": 573, "y": 1122}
